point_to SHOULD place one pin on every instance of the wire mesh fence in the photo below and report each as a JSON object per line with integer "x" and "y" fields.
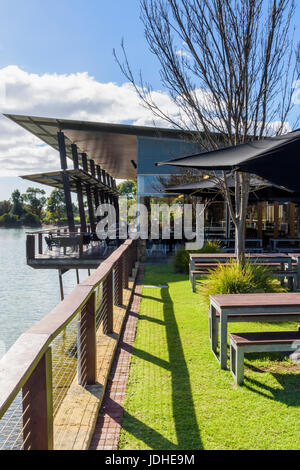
{"x": 11, "y": 426}
{"x": 64, "y": 362}
{"x": 100, "y": 305}
{"x": 117, "y": 283}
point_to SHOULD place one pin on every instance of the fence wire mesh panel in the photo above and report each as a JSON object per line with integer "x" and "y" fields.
{"x": 11, "y": 426}
{"x": 108, "y": 304}
{"x": 117, "y": 276}
{"x": 64, "y": 362}
{"x": 69, "y": 365}
{"x": 100, "y": 305}
{"x": 126, "y": 268}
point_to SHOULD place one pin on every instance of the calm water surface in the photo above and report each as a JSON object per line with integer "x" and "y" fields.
{"x": 26, "y": 294}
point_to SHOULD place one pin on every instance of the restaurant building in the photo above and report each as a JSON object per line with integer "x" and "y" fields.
{"x": 93, "y": 155}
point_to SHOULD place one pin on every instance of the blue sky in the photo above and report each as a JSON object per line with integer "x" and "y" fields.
{"x": 56, "y": 60}
{"x": 68, "y": 36}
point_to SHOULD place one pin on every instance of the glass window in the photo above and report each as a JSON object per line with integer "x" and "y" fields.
{"x": 151, "y": 150}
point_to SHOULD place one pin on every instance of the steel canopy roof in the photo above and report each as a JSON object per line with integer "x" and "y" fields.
{"x": 112, "y": 146}
{"x": 55, "y": 180}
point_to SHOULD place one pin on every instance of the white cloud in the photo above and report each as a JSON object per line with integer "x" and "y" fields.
{"x": 73, "y": 96}
{"x": 183, "y": 53}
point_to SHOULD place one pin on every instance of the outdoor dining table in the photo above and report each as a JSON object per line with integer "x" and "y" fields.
{"x": 287, "y": 241}
{"x": 245, "y": 308}
{"x": 276, "y": 258}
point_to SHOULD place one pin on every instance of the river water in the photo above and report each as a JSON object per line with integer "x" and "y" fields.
{"x": 26, "y": 294}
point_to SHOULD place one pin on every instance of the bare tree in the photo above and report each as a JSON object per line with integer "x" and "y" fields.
{"x": 228, "y": 66}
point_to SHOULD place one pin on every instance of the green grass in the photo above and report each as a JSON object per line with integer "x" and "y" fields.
{"x": 179, "y": 398}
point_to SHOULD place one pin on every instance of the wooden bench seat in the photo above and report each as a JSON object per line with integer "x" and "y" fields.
{"x": 275, "y": 341}
{"x": 207, "y": 265}
{"x": 247, "y": 317}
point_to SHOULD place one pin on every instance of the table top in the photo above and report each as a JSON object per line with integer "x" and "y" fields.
{"x": 211, "y": 255}
{"x": 257, "y": 300}
{"x": 246, "y": 240}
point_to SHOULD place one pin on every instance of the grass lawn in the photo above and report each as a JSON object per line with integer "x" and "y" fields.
{"x": 179, "y": 398}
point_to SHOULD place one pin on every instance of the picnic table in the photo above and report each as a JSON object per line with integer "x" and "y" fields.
{"x": 287, "y": 242}
{"x": 252, "y": 244}
{"x": 204, "y": 261}
{"x": 248, "y": 307}
{"x": 206, "y": 258}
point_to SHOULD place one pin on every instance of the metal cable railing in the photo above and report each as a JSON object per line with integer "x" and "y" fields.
{"x": 63, "y": 243}
{"x": 37, "y": 373}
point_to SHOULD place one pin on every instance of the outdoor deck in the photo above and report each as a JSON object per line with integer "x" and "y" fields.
{"x": 60, "y": 249}
{"x": 91, "y": 258}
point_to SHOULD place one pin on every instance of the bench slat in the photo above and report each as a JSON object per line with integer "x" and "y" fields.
{"x": 273, "y": 337}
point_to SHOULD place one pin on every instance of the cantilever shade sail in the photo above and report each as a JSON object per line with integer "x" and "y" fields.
{"x": 276, "y": 159}
{"x": 260, "y": 190}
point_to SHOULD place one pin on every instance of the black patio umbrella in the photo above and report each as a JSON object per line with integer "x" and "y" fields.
{"x": 276, "y": 159}
{"x": 260, "y": 190}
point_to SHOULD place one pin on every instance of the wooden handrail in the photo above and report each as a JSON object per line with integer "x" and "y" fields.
{"x": 18, "y": 364}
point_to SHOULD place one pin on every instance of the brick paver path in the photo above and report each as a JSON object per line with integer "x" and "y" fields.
{"x": 109, "y": 422}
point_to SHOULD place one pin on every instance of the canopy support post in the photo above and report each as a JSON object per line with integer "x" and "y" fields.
{"x": 276, "y": 219}
{"x": 61, "y": 284}
{"x": 259, "y": 221}
{"x": 90, "y": 208}
{"x": 81, "y": 207}
{"x": 292, "y": 220}
{"x": 66, "y": 182}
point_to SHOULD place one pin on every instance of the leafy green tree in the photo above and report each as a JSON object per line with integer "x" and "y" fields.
{"x": 5, "y": 207}
{"x": 56, "y": 206}
{"x": 31, "y": 220}
{"x": 10, "y": 220}
{"x": 36, "y": 200}
{"x": 17, "y": 203}
{"x": 127, "y": 188}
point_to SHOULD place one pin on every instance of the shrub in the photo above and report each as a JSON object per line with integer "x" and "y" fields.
{"x": 9, "y": 220}
{"x": 234, "y": 278}
{"x": 211, "y": 246}
{"x": 31, "y": 220}
{"x": 181, "y": 259}
{"x": 5, "y": 207}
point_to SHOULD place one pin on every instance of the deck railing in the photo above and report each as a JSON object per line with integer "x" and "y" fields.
{"x": 60, "y": 241}
{"x": 38, "y": 370}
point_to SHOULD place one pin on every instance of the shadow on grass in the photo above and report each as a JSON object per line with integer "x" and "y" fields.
{"x": 289, "y": 393}
{"x": 149, "y": 297}
{"x": 145, "y": 356}
{"x": 148, "y": 435}
{"x": 151, "y": 319}
{"x": 187, "y": 430}
{"x": 185, "y": 422}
